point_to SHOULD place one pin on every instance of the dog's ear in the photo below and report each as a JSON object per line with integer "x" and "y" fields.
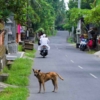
{"x": 39, "y": 70}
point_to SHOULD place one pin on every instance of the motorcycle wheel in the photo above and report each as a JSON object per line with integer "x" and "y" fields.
{"x": 43, "y": 56}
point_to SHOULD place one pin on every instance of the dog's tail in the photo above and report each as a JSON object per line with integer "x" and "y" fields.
{"x": 59, "y": 76}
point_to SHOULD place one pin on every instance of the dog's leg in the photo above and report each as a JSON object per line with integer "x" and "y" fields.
{"x": 54, "y": 81}
{"x": 39, "y": 87}
{"x": 53, "y": 85}
{"x": 56, "y": 85}
{"x": 43, "y": 84}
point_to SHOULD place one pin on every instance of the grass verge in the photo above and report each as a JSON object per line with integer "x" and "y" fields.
{"x": 14, "y": 94}
{"x": 18, "y": 76}
{"x": 70, "y": 40}
{"x": 91, "y": 51}
{"x": 30, "y": 53}
{"x": 19, "y": 72}
{"x": 19, "y": 47}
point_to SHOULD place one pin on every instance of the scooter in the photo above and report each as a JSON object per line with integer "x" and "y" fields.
{"x": 44, "y": 51}
{"x": 83, "y": 44}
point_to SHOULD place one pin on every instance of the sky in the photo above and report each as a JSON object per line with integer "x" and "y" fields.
{"x": 66, "y": 1}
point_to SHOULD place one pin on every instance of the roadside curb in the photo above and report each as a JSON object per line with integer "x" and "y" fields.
{"x": 97, "y": 54}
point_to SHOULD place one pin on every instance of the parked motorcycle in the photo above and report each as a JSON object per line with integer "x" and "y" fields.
{"x": 83, "y": 44}
{"x": 44, "y": 51}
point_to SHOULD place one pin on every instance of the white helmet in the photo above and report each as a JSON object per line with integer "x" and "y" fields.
{"x": 44, "y": 35}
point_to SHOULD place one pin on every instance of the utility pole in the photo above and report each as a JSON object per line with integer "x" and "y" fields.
{"x": 72, "y": 32}
{"x": 27, "y": 31}
{"x": 79, "y": 4}
{"x": 78, "y": 30}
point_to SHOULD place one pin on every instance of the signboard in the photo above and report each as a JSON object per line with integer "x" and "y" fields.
{"x": 78, "y": 31}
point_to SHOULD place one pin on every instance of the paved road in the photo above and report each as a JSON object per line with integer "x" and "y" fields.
{"x": 81, "y": 72}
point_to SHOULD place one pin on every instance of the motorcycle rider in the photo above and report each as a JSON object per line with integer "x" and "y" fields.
{"x": 44, "y": 41}
{"x": 39, "y": 36}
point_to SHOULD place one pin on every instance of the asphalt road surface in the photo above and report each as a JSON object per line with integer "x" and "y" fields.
{"x": 80, "y": 70}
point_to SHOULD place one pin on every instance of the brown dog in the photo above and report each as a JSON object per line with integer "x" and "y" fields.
{"x": 43, "y": 77}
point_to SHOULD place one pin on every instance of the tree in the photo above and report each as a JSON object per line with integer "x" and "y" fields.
{"x": 19, "y": 9}
{"x": 74, "y": 14}
{"x": 85, "y": 4}
{"x": 41, "y": 13}
{"x": 72, "y": 4}
{"x": 93, "y": 16}
{"x": 59, "y": 10}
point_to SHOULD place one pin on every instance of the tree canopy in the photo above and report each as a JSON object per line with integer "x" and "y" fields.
{"x": 41, "y": 13}
{"x": 74, "y": 13}
{"x": 93, "y": 16}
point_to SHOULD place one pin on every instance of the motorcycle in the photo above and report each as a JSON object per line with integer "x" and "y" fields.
{"x": 44, "y": 51}
{"x": 83, "y": 44}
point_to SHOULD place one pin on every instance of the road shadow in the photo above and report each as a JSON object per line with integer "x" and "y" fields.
{"x": 40, "y": 57}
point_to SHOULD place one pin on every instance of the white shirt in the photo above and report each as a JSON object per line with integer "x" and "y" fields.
{"x": 44, "y": 41}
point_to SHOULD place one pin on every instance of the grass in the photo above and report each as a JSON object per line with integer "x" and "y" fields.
{"x": 14, "y": 94}
{"x": 91, "y": 51}
{"x": 70, "y": 40}
{"x": 19, "y": 77}
{"x": 30, "y": 53}
{"x": 19, "y": 72}
{"x": 19, "y": 47}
